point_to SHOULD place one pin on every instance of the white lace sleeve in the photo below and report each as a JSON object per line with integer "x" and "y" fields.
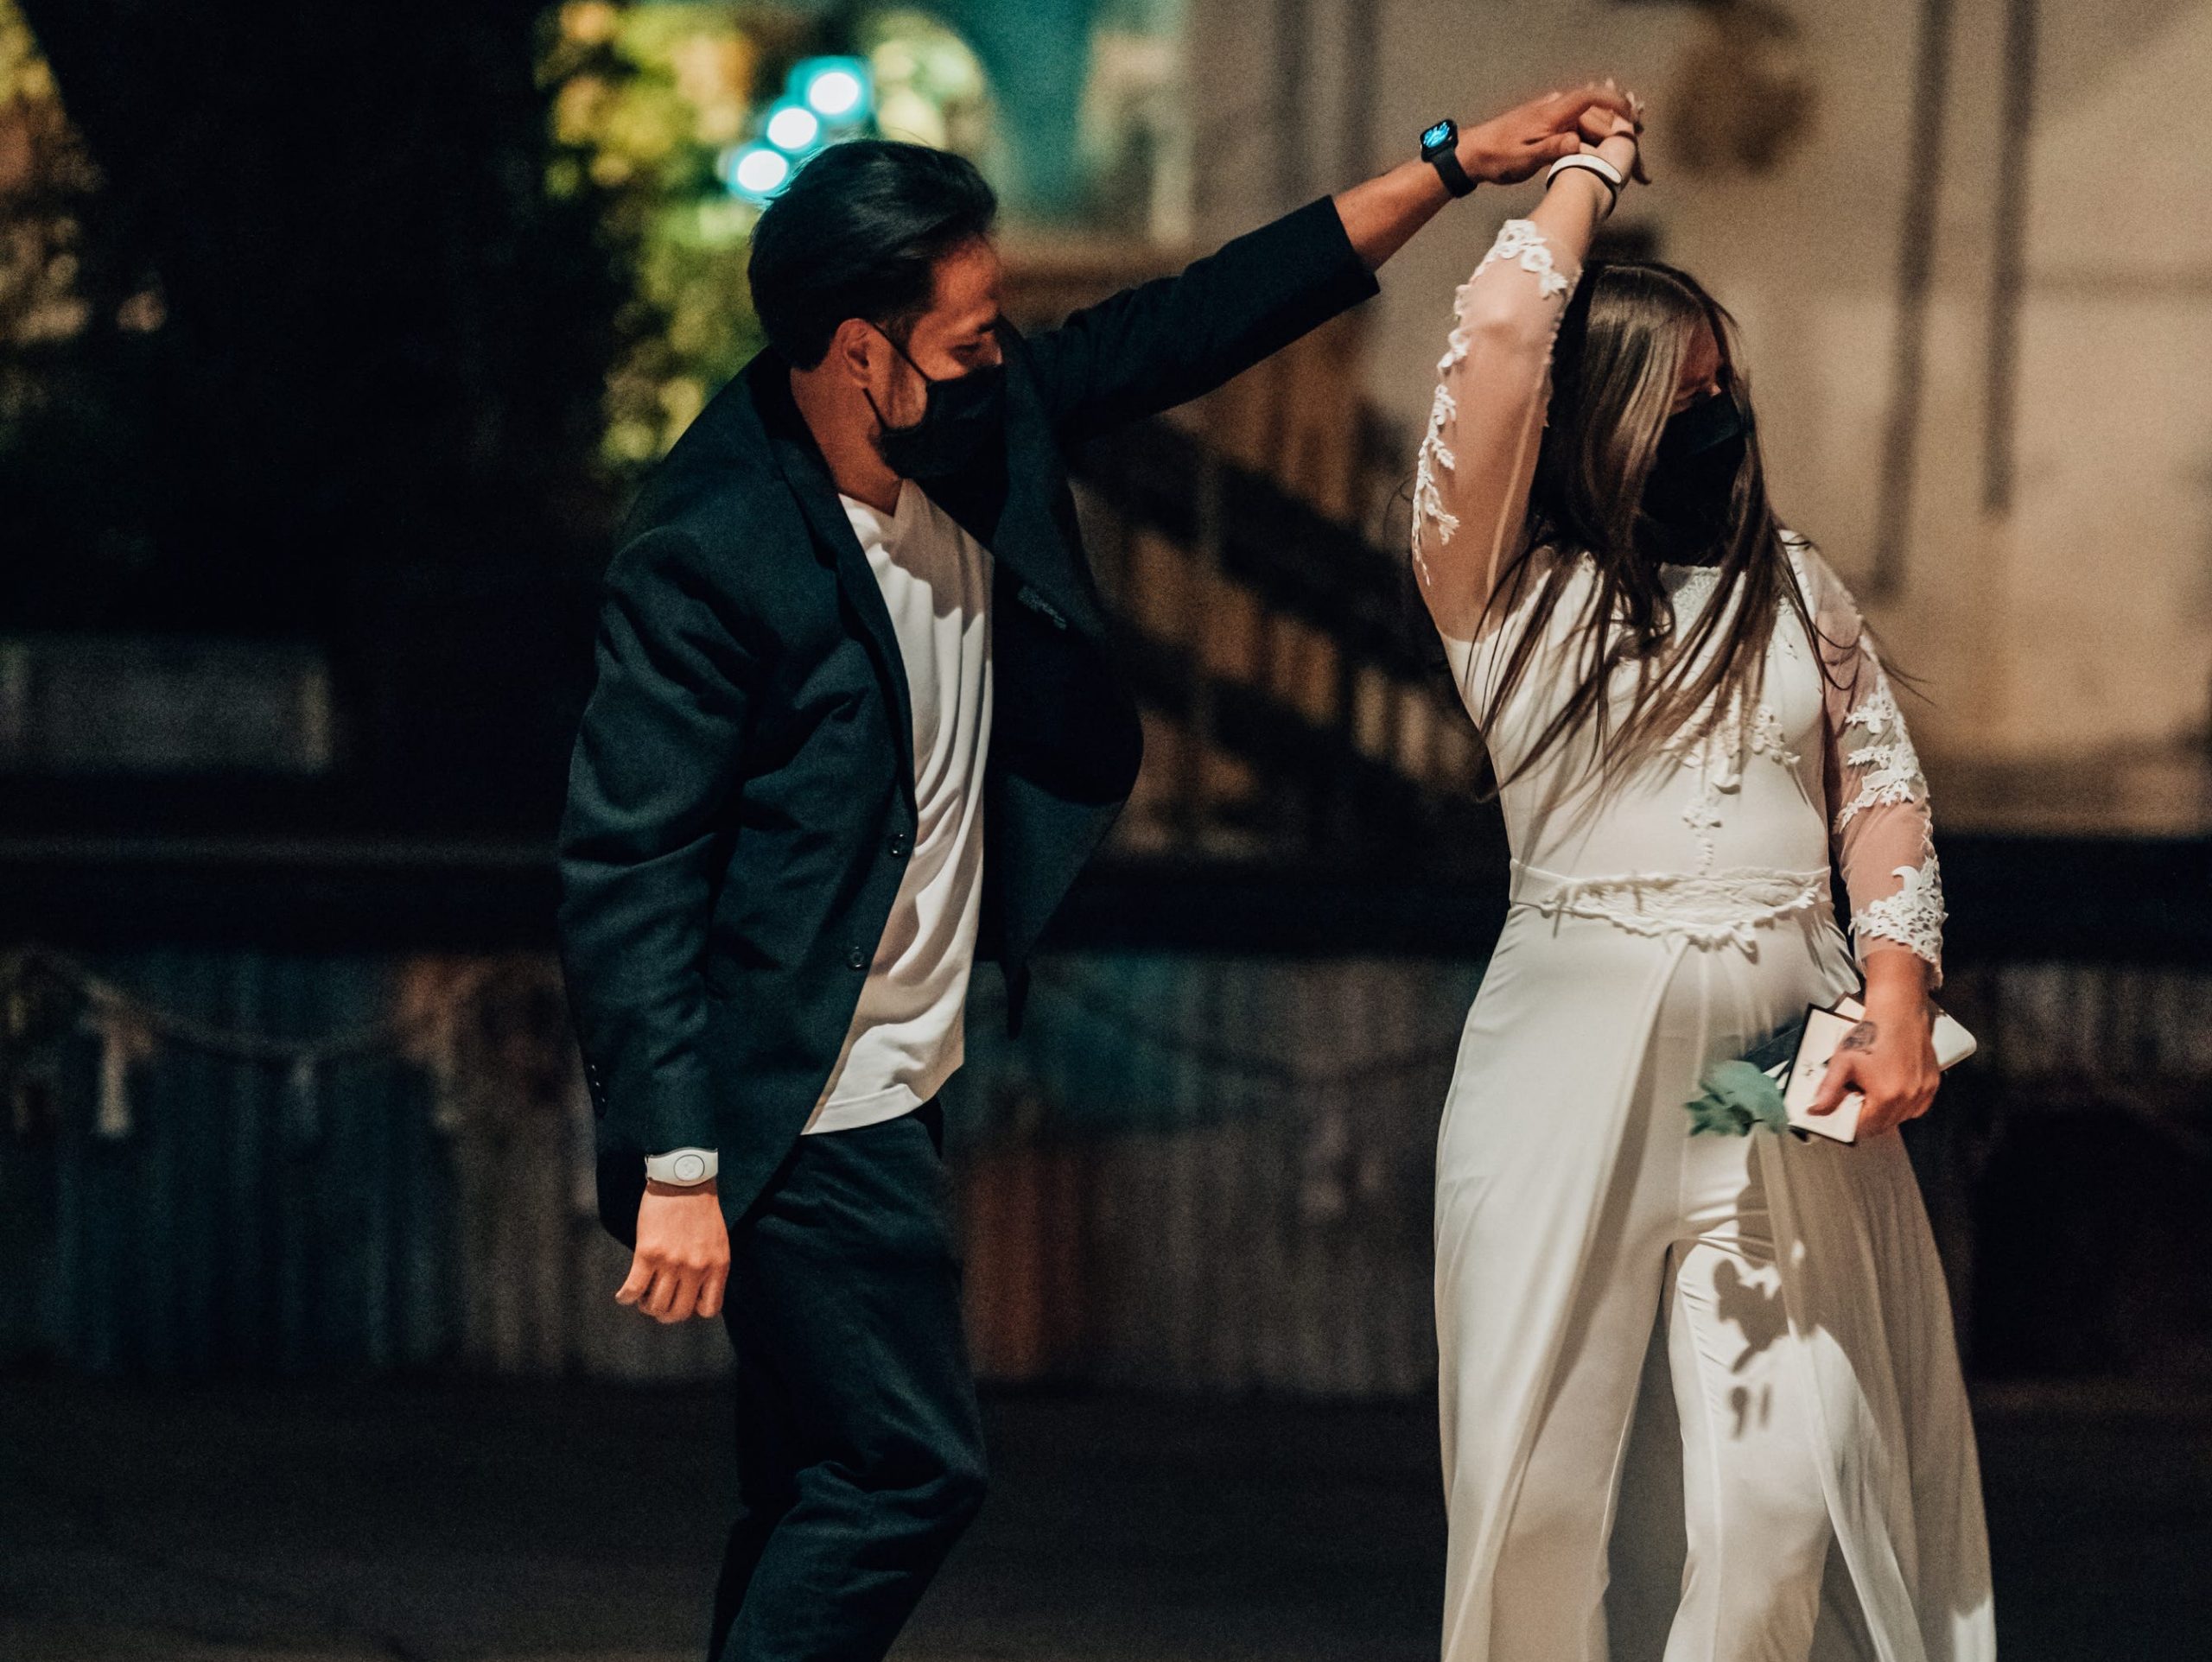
{"x": 1879, "y": 820}
{"x": 1470, "y": 479}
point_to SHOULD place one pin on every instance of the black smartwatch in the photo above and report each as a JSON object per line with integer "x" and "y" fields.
{"x": 1439, "y": 148}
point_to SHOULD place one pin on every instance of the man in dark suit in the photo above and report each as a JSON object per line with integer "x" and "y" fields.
{"x": 855, "y": 723}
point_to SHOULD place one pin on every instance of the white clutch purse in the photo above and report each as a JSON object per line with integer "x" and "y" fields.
{"x": 1824, "y": 1030}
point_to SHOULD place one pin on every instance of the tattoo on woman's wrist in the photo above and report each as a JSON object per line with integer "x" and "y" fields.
{"x": 1860, "y": 1038}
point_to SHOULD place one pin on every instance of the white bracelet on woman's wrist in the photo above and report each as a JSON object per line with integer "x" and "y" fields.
{"x": 1594, "y": 164}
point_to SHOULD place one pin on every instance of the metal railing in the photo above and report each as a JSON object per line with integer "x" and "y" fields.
{"x": 1303, "y": 720}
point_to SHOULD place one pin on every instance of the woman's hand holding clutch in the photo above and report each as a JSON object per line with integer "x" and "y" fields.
{"x": 1889, "y": 1057}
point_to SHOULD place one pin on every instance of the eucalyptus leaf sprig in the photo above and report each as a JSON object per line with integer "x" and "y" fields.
{"x": 1739, "y": 1095}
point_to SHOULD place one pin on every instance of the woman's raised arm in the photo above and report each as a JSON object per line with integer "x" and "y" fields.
{"x": 1471, "y": 484}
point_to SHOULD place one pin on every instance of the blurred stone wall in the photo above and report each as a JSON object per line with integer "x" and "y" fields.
{"x": 2063, "y": 633}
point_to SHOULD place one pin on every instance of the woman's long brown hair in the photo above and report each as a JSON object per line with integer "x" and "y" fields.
{"x": 1614, "y": 374}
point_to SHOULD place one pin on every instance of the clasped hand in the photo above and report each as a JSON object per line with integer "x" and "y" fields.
{"x": 1510, "y": 148}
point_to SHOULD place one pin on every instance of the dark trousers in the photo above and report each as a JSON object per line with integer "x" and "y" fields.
{"x": 860, "y": 1452}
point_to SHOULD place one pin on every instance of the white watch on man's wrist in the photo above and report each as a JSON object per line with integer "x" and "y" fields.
{"x": 685, "y": 1168}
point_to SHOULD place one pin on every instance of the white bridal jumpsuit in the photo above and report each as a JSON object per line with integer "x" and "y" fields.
{"x": 1821, "y": 1498}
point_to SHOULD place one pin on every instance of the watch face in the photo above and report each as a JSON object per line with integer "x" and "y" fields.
{"x": 1439, "y": 135}
{"x": 689, "y": 1169}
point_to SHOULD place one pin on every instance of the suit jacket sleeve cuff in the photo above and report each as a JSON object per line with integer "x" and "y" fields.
{"x": 1350, "y": 280}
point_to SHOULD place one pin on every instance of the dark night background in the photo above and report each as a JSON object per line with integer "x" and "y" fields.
{"x": 313, "y": 387}
{"x": 368, "y": 419}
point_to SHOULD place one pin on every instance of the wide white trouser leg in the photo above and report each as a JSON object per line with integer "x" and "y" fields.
{"x": 1757, "y": 1520}
{"x": 1548, "y": 1593}
{"x": 1547, "y": 1599}
{"x": 1683, "y": 1222}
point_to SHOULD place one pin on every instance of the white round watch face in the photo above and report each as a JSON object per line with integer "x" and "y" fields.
{"x": 690, "y": 1168}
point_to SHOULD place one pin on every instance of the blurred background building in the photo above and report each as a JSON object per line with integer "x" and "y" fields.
{"x": 332, "y": 342}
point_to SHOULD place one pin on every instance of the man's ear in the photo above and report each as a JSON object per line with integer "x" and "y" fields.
{"x": 852, "y": 351}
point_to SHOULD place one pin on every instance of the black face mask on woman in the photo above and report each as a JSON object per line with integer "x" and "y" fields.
{"x": 1693, "y": 475}
{"x": 962, "y": 416}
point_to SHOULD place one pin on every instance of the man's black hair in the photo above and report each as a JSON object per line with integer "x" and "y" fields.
{"x": 858, "y": 233}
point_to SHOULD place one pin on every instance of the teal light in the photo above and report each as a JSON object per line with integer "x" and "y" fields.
{"x": 755, "y": 171}
{"x": 793, "y": 128}
{"x": 837, "y": 89}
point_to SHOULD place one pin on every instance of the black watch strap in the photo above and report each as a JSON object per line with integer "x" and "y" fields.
{"x": 1439, "y": 148}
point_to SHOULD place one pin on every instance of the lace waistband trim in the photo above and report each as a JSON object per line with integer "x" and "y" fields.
{"x": 1708, "y": 908}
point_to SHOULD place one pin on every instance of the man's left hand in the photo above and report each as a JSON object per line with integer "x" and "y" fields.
{"x": 682, "y": 1263}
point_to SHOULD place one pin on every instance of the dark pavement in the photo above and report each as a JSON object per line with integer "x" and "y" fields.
{"x": 444, "y": 1520}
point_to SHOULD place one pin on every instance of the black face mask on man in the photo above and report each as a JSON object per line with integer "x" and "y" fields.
{"x": 1693, "y": 477}
{"x": 962, "y": 416}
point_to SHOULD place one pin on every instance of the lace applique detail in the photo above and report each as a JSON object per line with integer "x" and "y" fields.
{"x": 1913, "y": 915}
{"x": 1708, "y": 908}
{"x": 1889, "y": 769}
{"x": 1688, "y": 587}
{"x": 1703, "y": 818}
{"x": 1717, "y": 758}
{"x": 1520, "y": 241}
{"x": 1713, "y": 757}
{"x": 1428, "y": 496}
{"x": 1455, "y": 344}
{"x": 1769, "y": 740}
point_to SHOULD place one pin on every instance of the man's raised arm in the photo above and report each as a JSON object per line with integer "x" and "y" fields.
{"x": 1169, "y": 340}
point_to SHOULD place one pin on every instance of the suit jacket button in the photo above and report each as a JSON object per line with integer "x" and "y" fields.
{"x": 901, "y": 845}
{"x": 856, "y": 959}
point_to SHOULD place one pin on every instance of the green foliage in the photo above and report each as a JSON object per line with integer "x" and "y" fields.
{"x": 646, "y": 98}
{"x": 79, "y": 343}
{"x": 57, "y": 284}
{"x": 1736, "y": 1097}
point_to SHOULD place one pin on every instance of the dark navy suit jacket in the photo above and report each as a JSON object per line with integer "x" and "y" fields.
{"x": 741, "y": 797}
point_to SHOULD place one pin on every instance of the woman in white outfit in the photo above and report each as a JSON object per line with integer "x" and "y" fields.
{"x": 1686, "y": 719}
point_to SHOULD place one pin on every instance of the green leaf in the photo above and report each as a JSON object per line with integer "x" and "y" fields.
{"x": 1709, "y": 1113}
{"x": 1742, "y": 1087}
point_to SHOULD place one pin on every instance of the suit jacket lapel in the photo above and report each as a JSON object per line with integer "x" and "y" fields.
{"x": 1008, "y": 507}
{"x": 1016, "y": 524}
{"x": 1006, "y": 503}
{"x": 808, "y": 475}
{"x": 1029, "y": 538}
